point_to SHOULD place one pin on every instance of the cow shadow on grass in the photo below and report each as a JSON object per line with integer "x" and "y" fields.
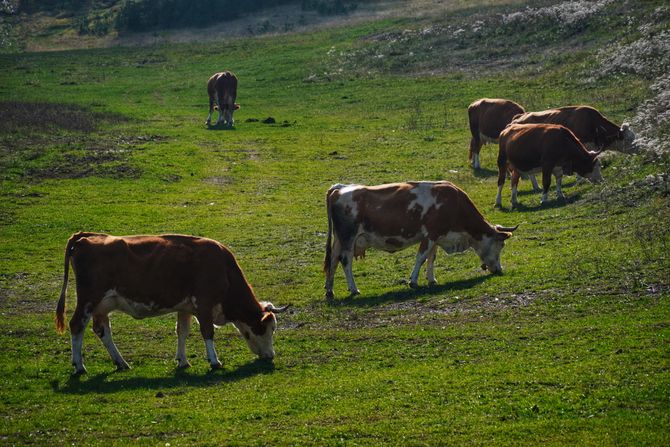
{"x": 551, "y": 204}
{"x": 220, "y": 127}
{"x": 407, "y": 293}
{"x": 99, "y": 383}
{"x": 531, "y": 192}
{"x": 484, "y": 173}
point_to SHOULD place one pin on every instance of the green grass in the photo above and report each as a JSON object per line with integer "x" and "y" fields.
{"x": 569, "y": 346}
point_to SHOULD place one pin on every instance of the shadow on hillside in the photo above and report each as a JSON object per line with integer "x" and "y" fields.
{"x": 182, "y": 378}
{"x": 553, "y": 203}
{"x": 523, "y": 191}
{"x": 484, "y": 173}
{"x": 409, "y": 294}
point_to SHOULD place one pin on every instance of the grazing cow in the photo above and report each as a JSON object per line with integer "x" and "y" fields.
{"x": 488, "y": 117}
{"x": 395, "y": 216}
{"x": 222, "y": 90}
{"x": 145, "y": 276}
{"x": 589, "y": 125}
{"x": 546, "y": 148}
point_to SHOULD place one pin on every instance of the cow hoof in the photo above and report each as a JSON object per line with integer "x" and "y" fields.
{"x": 79, "y": 371}
{"x": 122, "y": 366}
{"x": 355, "y": 292}
{"x": 432, "y": 283}
{"x": 413, "y": 285}
{"x": 217, "y": 365}
{"x": 329, "y": 295}
{"x": 498, "y": 205}
{"x": 184, "y": 365}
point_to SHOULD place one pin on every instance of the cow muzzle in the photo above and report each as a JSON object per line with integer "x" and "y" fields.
{"x": 495, "y": 269}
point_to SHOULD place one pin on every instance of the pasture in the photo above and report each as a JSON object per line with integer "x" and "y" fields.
{"x": 569, "y": 346}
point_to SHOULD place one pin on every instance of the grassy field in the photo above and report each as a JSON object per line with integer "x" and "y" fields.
{"x": 569, "y": 346}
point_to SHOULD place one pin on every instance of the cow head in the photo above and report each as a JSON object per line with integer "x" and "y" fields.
{"x": 594, "y": 176}
{"x": 627, "y": 138}
{"x": 228, "y": 114}
{"x": 491, "y": 245}
{"x": 259, "y": 334}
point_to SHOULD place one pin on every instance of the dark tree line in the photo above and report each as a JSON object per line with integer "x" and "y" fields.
{"x": 144, "y": 15}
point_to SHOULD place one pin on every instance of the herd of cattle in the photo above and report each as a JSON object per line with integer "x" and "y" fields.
{"x": 145, "y": 276}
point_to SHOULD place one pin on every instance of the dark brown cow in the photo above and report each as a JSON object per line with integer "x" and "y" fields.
{"x": 546, "y": 148}
{"x": 145, "y": 276}
{"x": 589, "y": 125}
{"x": 222, "y": 90}
{"x": 488, "y": 117}
{"x": 395, "y": 216}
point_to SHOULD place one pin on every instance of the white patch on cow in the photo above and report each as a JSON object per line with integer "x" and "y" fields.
{"x": 423, "y": 198}
{"x": 183, "y": 328}
{"x": 261, "y": 345}
{"x": 346, "y": 199}
{"x": 112, "y": 301}
{"x": 559, "y": 192}
{"x": 421, "y": 257}
{"x": 489, "y": 249}
{"x": 455, "y": 241}
{"x": 211, "y": 354}
{"x": 367, "y": 240}
{"x": 77, "y": 341}
{"x": 499, "y": 197}
{"x": 595, "y": 176}
{"x": 629, "y": 137}
{"x": 475, "y": 161}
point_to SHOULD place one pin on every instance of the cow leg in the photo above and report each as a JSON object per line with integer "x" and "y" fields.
{"x": 502, "y": 170}
{"x": 533, "y": 180}
{"x": 546, "y": 183}
{"x": 103, "y": 330}
{"x": 475, "y": 148}
{"x": 207, "y": 331}
{"x": 559, "y": 192}
{"x": 515, "y": 187}
{"x": 183, "y": 328}
{"x": 220, "y": 104}
{"x": 332, "y": 266}
{"x": 78, "y": 322}
{"x": 347, "y": 258}
{"x": 425, "y": 249}
{"x": 430, "y": 264}
{"x": 211, "y": 109}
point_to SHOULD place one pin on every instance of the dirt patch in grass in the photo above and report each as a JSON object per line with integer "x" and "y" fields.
{"x": 67, "y": 146}
{"x": 16, "y": 116}
{"x": 218, "y": 180}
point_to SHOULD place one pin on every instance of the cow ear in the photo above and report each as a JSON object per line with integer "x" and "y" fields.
{"x": 502, "y": 235}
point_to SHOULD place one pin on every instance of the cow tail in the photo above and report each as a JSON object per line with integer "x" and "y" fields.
{"x": 60, "y": 307}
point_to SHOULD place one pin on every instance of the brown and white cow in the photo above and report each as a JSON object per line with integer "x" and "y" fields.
{"x": 145, "y": 276}
{"x": 588, "y": 124}
{"x": 488, "y": 117}
{"x": 395, "y": 216}
{"x": 547, "y": 148}
{"x": 222, "y": 91}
